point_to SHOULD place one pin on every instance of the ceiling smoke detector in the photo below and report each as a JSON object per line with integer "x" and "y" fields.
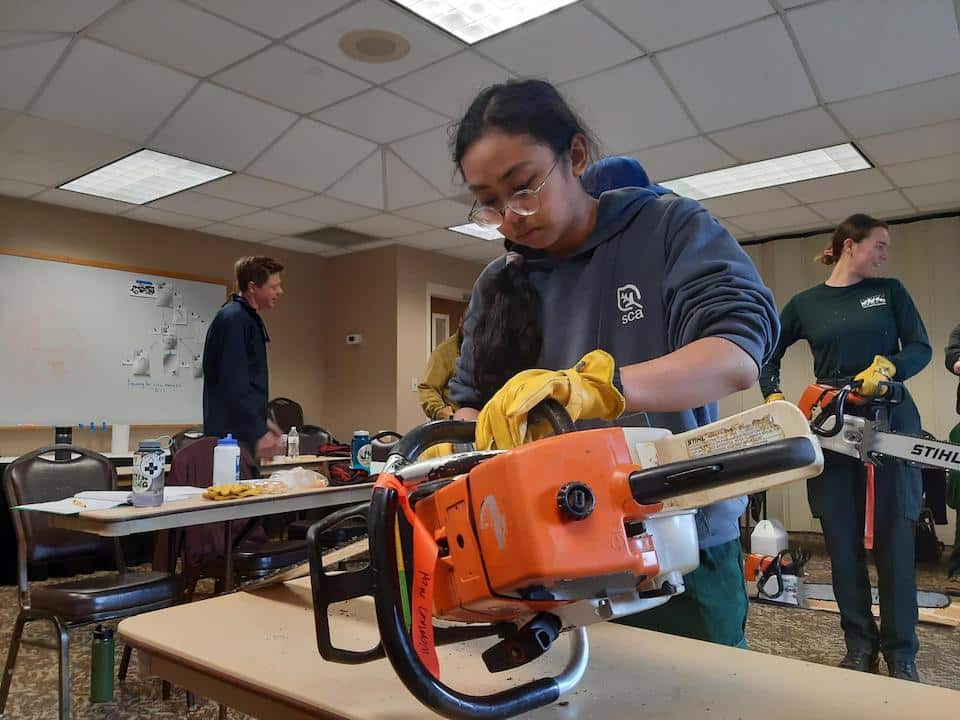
{"x": 374, "y": 46}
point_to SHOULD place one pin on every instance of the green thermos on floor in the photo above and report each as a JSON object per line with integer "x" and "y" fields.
{"x": 101, "y": 665}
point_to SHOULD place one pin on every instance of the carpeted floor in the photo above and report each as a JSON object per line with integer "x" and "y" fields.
{"x": 803, "y": 634}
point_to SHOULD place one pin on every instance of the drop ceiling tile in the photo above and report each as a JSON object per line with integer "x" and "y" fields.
{"x": 774, "y": 219}
{"x": 449, "y": 86}
{"x": 385, "y": 226}
{"x": 915, "y": 144}
{"x": 21, "y": 39}
{"x": 928, "y": 197}
{"x": 276, "y": 223}
{"x": 275, "y": 18}
{"x": 70, "y": 146}
{"x": 882, "y": 204}
{"x": 83, "y": 202}
{"x": 17, "y": 188}
{"x": 746, "y": 203}
{"x": 442, "y": 213}
{"x": 306, "y": 84}
{"x": 51, "y": 15}
{"x": 238, "y": 233}
{"x": 426, "y": 43}
{"x": 252, "y": 191}
{"x": 163, "y": 217}
{"x": 325, "y": 210}
{"x": 906, "y": 107}
{"x": 299, "y": 245}
{"x": 560, "y": 46}
{"x": 658, "y": 25}
{"x": 612, "y": 103}
{"x": 404, "y": 186}
{"x": 758, "y": 60}
{"x": 436, "y": 240}
{"x": 380, "y": 116}
{"x": 202, "y": 206}
{"x": 311, "y": 156}
{"x": 109, "y": 91}
{"x": 222, "y": 128}
{"x": 862, "y": 182}
{"x": 429, "y": 154}
{"x": 27, "y": 168}
{"x": 896, "y": 43}
{"x": 363, "y": 184}
{"x": 679, "y": 159}
{"x": 177, "y": 35}
{"x": 23, "y": 69}
{"x": 792, "y": 133}
{"x": 925, "y": 172}
{"x": 480, "y": 252}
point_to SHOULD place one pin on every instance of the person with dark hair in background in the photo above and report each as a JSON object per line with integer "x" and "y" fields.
{"x": 235, "y": 378}
{"x": 655, "y": 282}
{"x": 952, "y": 358}
{"x": 862, "y": 325}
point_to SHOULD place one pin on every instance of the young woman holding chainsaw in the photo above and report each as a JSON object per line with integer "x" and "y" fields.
{"x": 862, "y": 325}
{"x": 656, "y": 282}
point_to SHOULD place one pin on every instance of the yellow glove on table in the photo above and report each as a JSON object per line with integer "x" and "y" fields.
{"x": 585, "y": 390}
{"x": 879, "y": 371}
{"x": 773, "y": 397}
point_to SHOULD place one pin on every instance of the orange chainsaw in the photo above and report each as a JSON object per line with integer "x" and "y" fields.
{"x": 550, "y": 537}
{"x": 859, "y": 426}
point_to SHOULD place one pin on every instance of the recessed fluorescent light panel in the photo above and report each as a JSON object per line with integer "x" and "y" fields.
{"x": 475, "y": 20}
{"x": 144, "y": 176}
{"x": 767, "y": 173}
{"x": 474, "y": 230}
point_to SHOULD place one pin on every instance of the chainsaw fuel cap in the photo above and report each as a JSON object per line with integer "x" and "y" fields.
{"x": 576, "y": 500}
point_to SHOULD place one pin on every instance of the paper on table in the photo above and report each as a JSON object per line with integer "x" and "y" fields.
{"x": 70, "y": 506}
{"x": 170, "y": 494}
{"x": 104, "y": 499}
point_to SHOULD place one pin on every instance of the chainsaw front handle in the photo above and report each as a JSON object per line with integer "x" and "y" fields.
{"x": 419, "y": 681}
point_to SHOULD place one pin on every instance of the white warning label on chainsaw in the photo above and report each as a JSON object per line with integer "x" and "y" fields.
{"x": 736, "y": 437}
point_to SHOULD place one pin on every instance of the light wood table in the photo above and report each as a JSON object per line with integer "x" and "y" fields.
{"x": 128, "y": 520}
{"x": 256, "y": 652}
{"x": 320, "y": 462}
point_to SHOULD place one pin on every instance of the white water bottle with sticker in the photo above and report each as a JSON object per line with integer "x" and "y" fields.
{"x": 226, "y": 461}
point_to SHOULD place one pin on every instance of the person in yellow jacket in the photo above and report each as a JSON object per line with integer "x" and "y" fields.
{"x": 433, "y": 389}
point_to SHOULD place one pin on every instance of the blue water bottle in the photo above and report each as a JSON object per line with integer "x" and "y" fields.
{"x": 360, "y": 451}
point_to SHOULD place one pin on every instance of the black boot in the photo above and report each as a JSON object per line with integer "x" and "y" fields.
{"x": 903, "y": 670}
{"x": 862, "y": 660}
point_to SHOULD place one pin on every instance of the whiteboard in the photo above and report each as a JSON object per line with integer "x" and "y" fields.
{"x": 82, "y": 344}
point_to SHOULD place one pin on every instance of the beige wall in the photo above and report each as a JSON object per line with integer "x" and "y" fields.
{"x": 925, "y": 256}
{"x": 416, "y": 270}
{"x": 295, "y": 352}
{"x": 358, "y": 294}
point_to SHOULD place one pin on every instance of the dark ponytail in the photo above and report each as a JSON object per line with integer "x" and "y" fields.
{"x": 508, "y": 334}
{"x": 856, "y": 227}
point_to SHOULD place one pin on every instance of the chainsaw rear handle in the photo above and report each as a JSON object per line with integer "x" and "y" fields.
{"x": 653, "y": 485}
{"x": 419, "y": 681}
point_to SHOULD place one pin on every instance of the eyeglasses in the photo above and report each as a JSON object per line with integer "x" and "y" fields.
{"x": 522, "y": 202}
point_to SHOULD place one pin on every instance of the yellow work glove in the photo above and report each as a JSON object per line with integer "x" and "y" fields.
{"x": 773, "y": 397}
{"x": 879, "y": 371}
{"x": 585, "y": 390}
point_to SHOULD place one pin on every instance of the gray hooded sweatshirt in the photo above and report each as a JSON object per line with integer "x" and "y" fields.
{"x": 657, "y": 273}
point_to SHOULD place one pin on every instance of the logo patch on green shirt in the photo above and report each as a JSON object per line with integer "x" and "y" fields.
{"x": 873, "y": 301}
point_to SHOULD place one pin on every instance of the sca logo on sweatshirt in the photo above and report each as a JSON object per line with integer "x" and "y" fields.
{"x": 628, "y": 301}
{"x": 873, "y": 301}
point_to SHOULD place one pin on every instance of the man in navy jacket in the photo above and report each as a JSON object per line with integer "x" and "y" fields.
{"x": 235, "y": 378}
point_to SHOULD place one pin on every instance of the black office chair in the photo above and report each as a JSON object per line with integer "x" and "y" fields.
{"x": 44, "y": 475}
{"x": 286, "y": 413}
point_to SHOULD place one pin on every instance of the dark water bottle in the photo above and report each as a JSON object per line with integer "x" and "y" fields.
{"x": 101, "y": 665}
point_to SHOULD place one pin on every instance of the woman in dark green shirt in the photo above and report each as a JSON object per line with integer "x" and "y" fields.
{"x": 862, "y": 325}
